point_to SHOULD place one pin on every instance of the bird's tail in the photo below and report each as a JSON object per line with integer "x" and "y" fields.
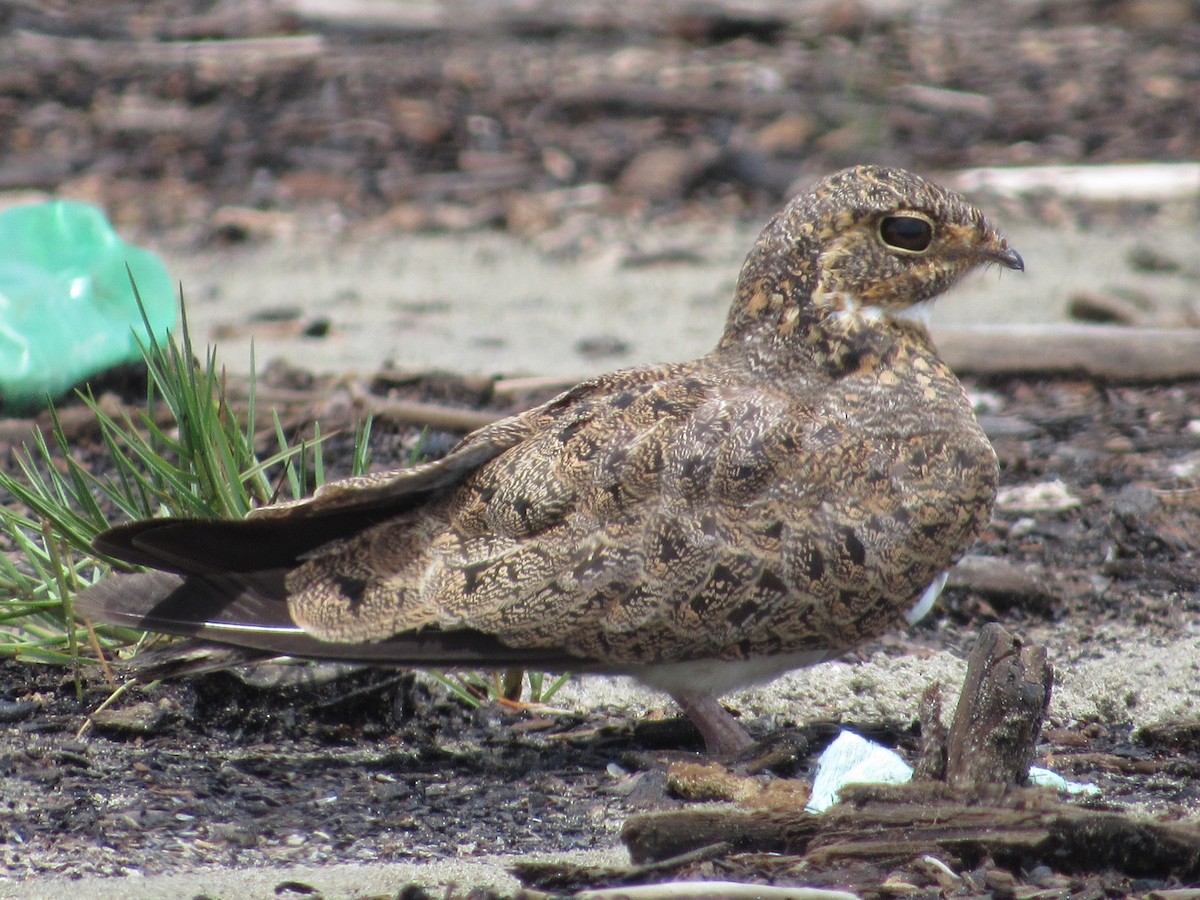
{"x": 249, "y": 610}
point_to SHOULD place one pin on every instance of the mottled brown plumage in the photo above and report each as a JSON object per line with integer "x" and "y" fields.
{"x": 701, "y": 525}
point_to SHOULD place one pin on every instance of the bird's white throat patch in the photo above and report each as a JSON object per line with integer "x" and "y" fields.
{"x": 921, "y": 313}
{"x": 848, "y": 306}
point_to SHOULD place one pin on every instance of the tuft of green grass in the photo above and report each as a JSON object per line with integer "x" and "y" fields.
{"x": 186, "y": 452}
{"x": 476, "y": 688}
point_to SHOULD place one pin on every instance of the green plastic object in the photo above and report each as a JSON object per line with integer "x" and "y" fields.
{"x": 67, "y": 309}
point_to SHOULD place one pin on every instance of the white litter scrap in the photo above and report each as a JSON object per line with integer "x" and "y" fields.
{"x": 1040, "y": 497}
{"x": 852, "y": 759}
{"x": 1039, "y": 777}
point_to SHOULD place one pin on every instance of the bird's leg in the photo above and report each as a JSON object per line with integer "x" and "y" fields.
{"x": 723, "y": 736}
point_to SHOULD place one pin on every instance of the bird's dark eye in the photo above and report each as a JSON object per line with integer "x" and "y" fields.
{"x": 906, "y": 233}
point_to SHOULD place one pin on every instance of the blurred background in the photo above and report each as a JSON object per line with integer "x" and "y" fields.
{"x": 565, "y": 187}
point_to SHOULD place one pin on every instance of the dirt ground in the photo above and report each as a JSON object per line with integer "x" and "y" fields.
{"x": 560, "y": 190}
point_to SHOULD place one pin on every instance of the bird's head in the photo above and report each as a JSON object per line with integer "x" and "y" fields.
{"x": 865, "y": 243}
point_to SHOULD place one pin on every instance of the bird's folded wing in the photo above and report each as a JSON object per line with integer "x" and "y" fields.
{"x": 389, "y": 490}
{"x": 241, "y": 611}
{"x": 279, "y": 535}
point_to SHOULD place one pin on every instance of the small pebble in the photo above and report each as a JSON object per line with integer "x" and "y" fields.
{"x": 16, "y": 710}
{"x": 1144, "y": 258}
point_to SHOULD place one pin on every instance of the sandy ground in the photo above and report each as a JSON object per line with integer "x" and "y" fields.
{"x": 491, "y": 304}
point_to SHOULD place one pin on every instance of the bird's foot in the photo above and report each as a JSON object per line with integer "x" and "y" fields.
{"x": 727, "y": 741}
{"x": 724, "y": 737}
{"x": 780, "y": 753}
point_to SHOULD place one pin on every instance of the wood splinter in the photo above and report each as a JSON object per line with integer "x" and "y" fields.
{"x": 993, "y": 736}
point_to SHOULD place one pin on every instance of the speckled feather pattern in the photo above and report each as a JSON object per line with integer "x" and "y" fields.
{"x": 793, "y": 492}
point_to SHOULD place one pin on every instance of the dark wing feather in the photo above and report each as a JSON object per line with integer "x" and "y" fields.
{"x": 248, "y": 612}
{"x": 201, "y": 546}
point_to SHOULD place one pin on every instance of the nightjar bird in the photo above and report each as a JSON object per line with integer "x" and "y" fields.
{"x": 702, "y": 526}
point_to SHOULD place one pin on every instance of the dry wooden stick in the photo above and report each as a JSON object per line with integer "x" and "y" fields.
{"x": 508, "y": 387}
{"x": 1000, "y": 710}
{"x": 432, "y": 414}
{"x": 1028, "y": 586}
{"x": 893, "y": 825}
{"x": 1103, "y": 351}
{"x": 226, "y": 60}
